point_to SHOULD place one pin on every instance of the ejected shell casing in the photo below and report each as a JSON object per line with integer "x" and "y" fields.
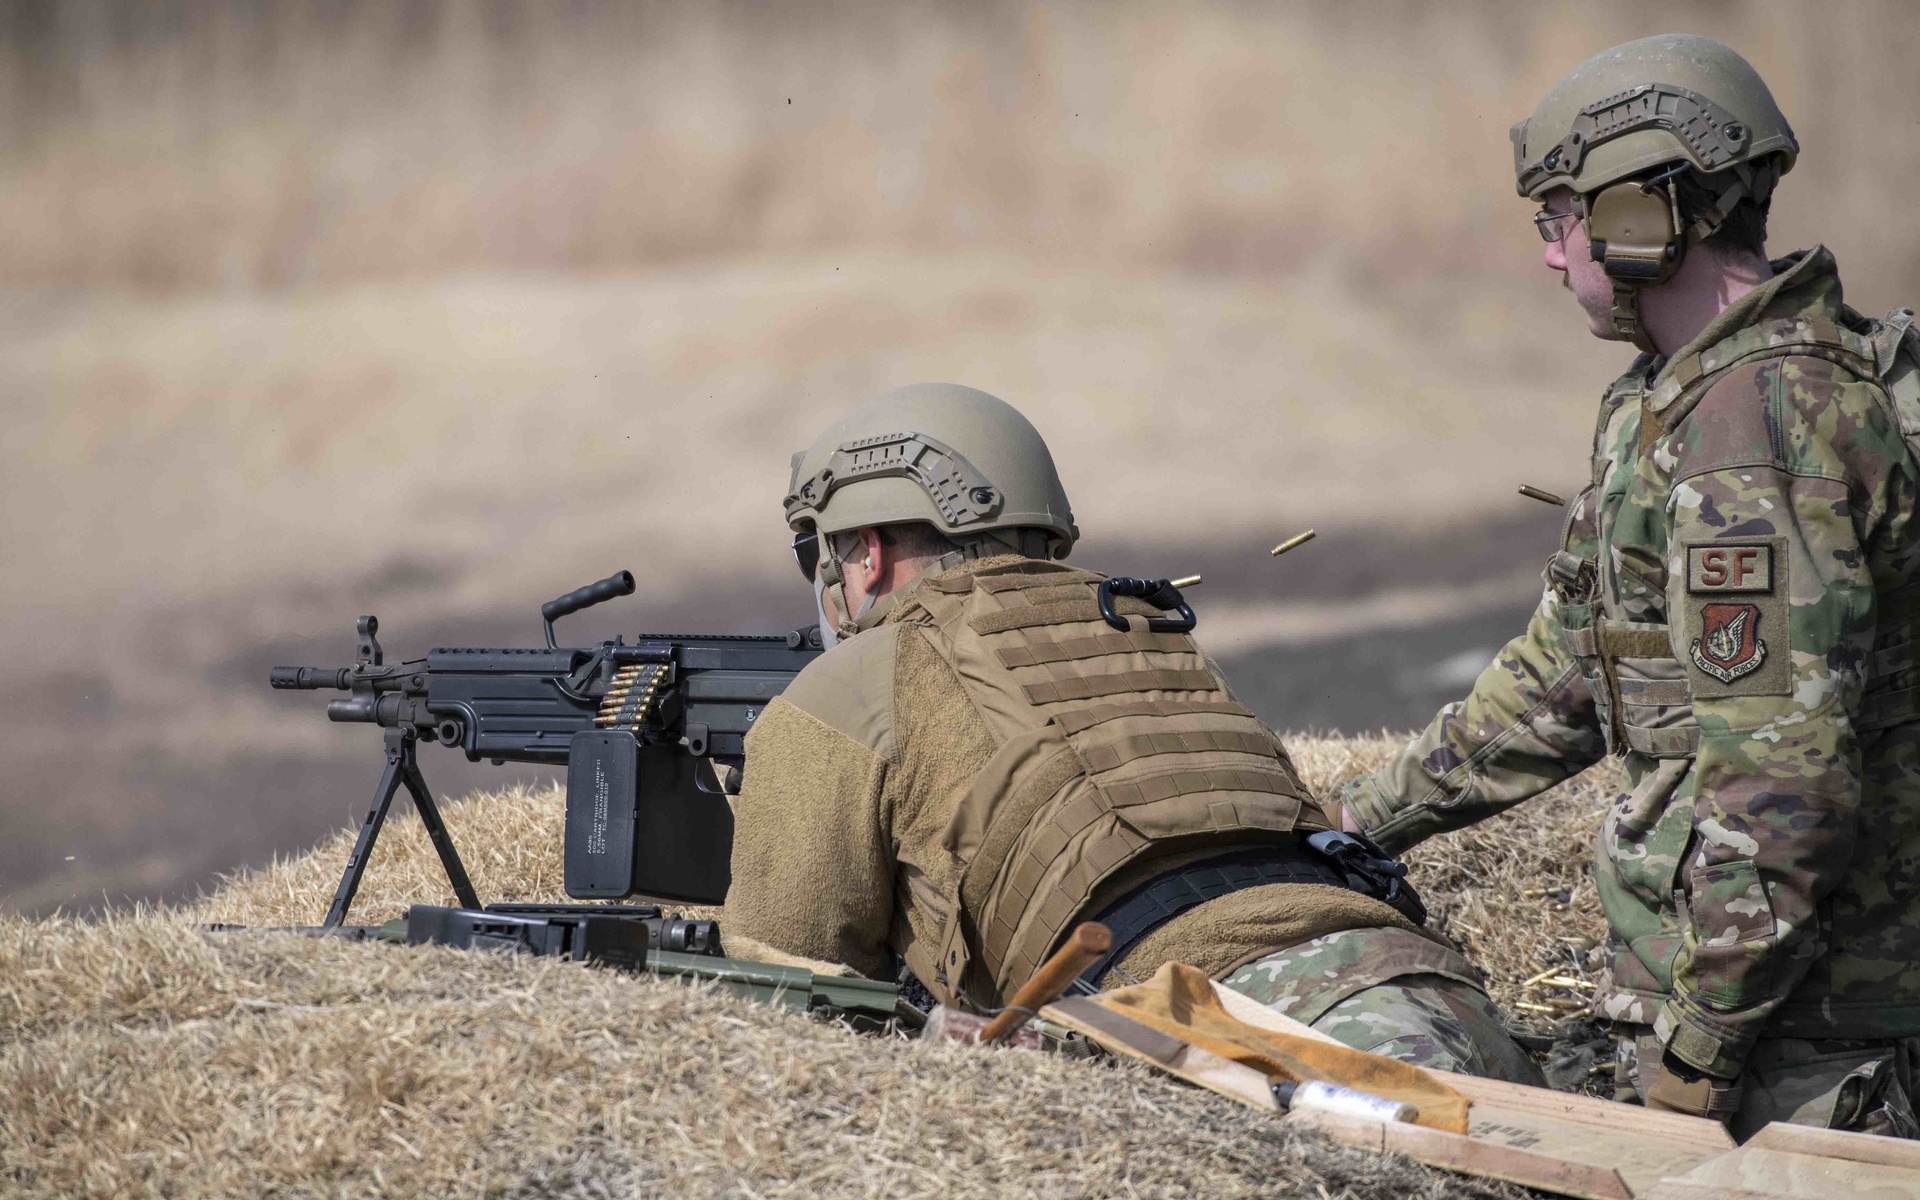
{"x": 1541, "y": 494}
{"x": 1298, "y": 539}
{"x": 1187, "y": 581}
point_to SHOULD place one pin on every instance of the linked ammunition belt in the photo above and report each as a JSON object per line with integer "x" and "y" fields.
{"x": 630, "y": 696}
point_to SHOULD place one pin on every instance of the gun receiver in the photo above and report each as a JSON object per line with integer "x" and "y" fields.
{"x": 632, "y": 722}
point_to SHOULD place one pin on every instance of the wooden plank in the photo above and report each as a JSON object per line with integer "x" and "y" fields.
{"x": 1593, "y": 1112}
{"x": 1681, "y": 1189}
{"x": 1777, "y": 1173}
{"x": 1589, "y": 1111}
{"x": 1641, "y": 1160}
{"x": 1837, "y": 1143}
{"x": 1467, "y": 1155}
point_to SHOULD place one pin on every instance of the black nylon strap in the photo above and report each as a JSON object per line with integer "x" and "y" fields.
{"x": 1147, "y": 908}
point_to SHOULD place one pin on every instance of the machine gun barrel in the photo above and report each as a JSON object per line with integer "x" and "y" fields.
{"x": 311, "y": 679}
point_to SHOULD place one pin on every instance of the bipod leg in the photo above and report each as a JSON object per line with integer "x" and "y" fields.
{"x": 437, "y": 830}
{"x": 399, "y": 758}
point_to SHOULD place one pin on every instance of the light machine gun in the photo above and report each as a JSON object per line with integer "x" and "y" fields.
{"x": 632, "y": 723}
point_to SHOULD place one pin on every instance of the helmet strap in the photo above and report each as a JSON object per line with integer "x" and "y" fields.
{"x": 1626, "y": 316}
{"x": 830, "y": 577}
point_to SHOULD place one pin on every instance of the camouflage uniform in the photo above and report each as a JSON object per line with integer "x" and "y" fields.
{"x": 1392, "y": 997}
{"x": 1732, "y": 610}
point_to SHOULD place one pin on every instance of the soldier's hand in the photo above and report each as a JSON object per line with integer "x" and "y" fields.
{"x": 1677, "y": 1087}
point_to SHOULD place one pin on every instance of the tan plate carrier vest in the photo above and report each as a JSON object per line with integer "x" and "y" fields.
{"x": 1113, "y": 748}
{"x": 1638, "y": 681}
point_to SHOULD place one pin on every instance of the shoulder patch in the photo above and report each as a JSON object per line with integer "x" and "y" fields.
{"x": 1736, "y": 614}
{"x": 1730, "y": 567}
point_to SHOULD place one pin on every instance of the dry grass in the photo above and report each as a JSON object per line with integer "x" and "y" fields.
{"x": 1516, "y": 892}
{"x": 141, "y": 1056}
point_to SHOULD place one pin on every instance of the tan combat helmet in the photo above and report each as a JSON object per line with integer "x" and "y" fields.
{"x": 962, "y": 461}
{"x": 1611, "y": 125}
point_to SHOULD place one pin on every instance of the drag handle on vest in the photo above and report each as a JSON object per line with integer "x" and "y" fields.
{"x": 1088, "y": 941}
{"x": 1160, "y": 593}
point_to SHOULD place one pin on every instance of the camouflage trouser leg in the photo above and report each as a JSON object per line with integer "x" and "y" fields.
{"x": 1427, "y": 1019}
{"x": 1859, "y": 1086}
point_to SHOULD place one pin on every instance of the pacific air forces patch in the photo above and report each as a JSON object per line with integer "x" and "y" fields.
{"x": 1737, "y": 618}
{"x": 1729, "y": 644}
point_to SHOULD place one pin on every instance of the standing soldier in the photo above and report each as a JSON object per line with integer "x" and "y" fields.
{"x": 996, "y": 746}
{"x": 1732, "y": 611}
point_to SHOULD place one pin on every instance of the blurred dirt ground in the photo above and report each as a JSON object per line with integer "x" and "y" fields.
{"x": 142, "y": 1056}
{"x": 440, "y": 310}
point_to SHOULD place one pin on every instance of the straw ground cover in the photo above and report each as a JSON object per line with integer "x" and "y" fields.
{"x": 142, "y": 1056}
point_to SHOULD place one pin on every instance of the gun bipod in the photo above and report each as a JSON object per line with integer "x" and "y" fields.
{"x": 403, "y": 768}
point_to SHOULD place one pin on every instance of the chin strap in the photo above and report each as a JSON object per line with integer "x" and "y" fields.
{"x": 1626, "y": 316}
{"x": 829, "y": 577}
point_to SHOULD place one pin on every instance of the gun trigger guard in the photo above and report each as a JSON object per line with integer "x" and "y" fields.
{"x": 1158, "y": 592}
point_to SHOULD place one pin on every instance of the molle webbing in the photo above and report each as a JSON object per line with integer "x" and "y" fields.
{"x": 1010, "y": 819}
{"x": 1096, "y": 646}
{"x": 1108, "y": 755}
{"x": 1024, "y": 873}
{"x": 1049, "y": 576}
{"x": 1087, "y": 687}
{"x": 1128, "y": 772}
{"x": 1079, "y": 720}
{"x": 1633, "y": 643}
{"x": 1655, "y": 691}
{"x": 1155, "y": 788}
{"x": 1034, "y": 616}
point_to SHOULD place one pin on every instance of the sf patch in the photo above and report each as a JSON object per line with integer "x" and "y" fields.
{"x": 1718, "y": 567}
{"x": 1737, "y": 618}
{"x": 1729, "y": 644}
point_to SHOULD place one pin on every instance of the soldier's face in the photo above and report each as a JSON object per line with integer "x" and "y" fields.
{"x": 1579, "y": 274}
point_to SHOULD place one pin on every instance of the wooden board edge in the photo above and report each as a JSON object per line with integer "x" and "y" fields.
{"x": 1686, "y": 1189}
{"x": 1609, "y": 1115}
{"x": 1836, "y": 1143}
{"x": 1457, "y": 1152}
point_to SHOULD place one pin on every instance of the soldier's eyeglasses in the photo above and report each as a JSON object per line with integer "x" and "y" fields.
{"x": 806, "y": 552}
{"x": 1552, "y": 225}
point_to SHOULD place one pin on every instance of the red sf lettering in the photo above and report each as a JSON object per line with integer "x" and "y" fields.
{"x": 1743, "y": 560}
{"x": 1713, "y": 567}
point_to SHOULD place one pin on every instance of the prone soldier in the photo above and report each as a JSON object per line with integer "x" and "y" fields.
{"x": 1732, "y": 610}
{"x": 997, "y": 746}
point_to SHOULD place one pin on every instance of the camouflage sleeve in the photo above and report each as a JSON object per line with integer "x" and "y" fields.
{"x": 1528, "y": 724}
{"x": 1774, "y": 607}
{"x": 813, "y": 866}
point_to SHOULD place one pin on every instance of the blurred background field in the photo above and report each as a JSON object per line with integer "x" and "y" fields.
{"x": 440, "y": 310}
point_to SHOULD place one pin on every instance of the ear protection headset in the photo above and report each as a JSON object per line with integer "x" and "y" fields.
{"x": 1634, "y": 232}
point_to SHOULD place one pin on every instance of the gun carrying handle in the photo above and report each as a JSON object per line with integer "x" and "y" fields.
{"x": 618, "y": 584}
